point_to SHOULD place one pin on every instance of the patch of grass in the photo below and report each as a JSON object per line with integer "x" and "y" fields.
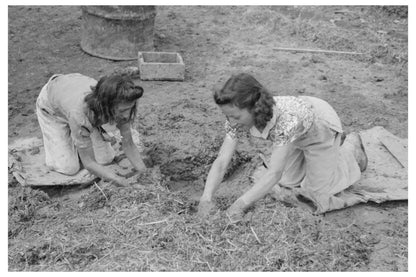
{"x": 356, "y": 29}
{"x": 152, "y": 229}
{"x": 22, "y": 207}
{"x": 395, "y": 11}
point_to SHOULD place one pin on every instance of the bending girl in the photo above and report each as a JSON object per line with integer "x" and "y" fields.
{"x": 71, "y": 110}
{"x": 308, "y": 154}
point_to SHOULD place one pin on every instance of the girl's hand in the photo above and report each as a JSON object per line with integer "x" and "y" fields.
{"x": 121, "y": 182}
{"x": 141, "y": 167}
{"x": 235, "y": 212}
{"x": 205, "y": 208}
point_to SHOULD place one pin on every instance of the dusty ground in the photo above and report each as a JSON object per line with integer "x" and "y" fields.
{"x": 76, "y": 229}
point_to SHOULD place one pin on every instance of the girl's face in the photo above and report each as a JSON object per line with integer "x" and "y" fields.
{"x": 237, "y": 115}
{"x": 122, "y": 111}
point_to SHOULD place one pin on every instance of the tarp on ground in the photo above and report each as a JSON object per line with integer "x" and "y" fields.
{"x": 27, "y": 163}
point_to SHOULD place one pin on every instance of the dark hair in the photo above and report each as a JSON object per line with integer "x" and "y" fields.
{"x": 110, "y": 91}
{"x": 245, "y": 92}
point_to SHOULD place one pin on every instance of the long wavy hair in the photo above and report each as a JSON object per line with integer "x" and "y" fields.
{"x": 108, "y": 92}
{"x": 245, "y": 92}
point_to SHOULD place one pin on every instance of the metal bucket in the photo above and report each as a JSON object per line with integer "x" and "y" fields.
{"x": 117, "y": 32}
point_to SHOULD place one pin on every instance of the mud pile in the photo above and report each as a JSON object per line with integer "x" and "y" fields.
{"x": 180, "y": 141}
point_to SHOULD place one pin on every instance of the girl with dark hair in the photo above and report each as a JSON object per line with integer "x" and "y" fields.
{"x": 309, "y": 155}
{"x": 71, "y": 111}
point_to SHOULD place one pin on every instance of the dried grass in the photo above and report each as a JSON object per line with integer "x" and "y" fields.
{"x": 353, "y": 29}
{"x": 152, "y": 229}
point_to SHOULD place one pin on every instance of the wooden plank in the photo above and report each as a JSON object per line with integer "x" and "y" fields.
{"x": 316, "y": 51}
{"x": 397, "y": 149}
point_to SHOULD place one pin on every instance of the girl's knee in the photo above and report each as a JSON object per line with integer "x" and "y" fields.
{"x": 104, "y": 154}
{"x": 105, "y": 158}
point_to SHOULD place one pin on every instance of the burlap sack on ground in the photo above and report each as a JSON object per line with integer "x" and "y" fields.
{"x": 27, "y": 163}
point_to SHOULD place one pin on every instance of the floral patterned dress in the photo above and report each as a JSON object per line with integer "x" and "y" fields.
{"x": 292, "y": 117}
{"x": 318, "y": 167}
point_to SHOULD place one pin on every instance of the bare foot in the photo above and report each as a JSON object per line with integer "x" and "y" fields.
{"x": 359, "y": 152}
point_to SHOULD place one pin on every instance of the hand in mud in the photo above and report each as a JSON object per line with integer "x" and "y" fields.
{"x": 120, "y": 182}
{"x": 149, "y": 176}
{"x": 138, "y": 173}
{"x": 235, "y": 212}
{"x": 205, "y": 208}
{"x": 140, "y": 166}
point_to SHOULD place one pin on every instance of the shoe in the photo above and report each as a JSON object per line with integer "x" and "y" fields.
{"x": 359, "y": 151}
{"x": 343, "y": 136}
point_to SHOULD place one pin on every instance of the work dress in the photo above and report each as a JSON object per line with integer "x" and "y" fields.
{"x": 62, "y": 115}
{"x": 317, "y": 167}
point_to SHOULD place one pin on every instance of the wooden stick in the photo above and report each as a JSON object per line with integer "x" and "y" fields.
{"x": 204, "y": 238}
{"x": 95, "y": 183}
{"x": 255, "y": 235}
{"x": 316, "y": 51}
{"x": 209, "y": 266}
{"x": 138, "y": 249}
{"x": 69, "y": 264}
{"x": 398, "y": 151}
{"x": 121, "y": 232}
{"x": 147, "y": 223}
{"x": 154, "y": 222}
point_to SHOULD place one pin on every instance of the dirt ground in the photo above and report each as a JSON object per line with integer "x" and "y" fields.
{"x": 181, "y": 127}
